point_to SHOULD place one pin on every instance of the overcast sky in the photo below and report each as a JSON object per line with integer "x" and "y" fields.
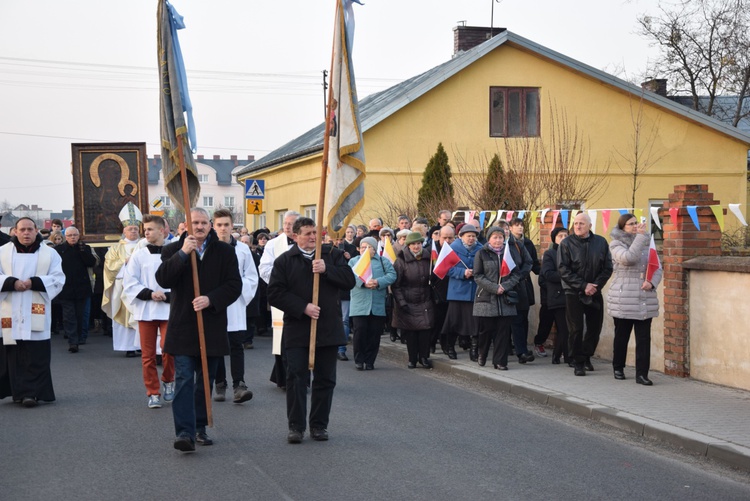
{"x": 85, "y": 70}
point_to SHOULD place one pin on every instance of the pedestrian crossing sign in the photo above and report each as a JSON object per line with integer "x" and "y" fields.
{"x": 157, "y": 207}
{"x": 255, "y": 188}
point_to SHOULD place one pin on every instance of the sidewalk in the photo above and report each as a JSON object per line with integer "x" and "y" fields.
{"x": 700, "y": 417}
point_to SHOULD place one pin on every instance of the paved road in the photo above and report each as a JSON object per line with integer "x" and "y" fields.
{"x": 395, "y": 434}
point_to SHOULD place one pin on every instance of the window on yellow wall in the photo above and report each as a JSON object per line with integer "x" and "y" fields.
{"x": 514, "y": 112}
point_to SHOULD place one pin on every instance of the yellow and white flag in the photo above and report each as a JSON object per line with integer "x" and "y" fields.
{"x": 345, "y": 188}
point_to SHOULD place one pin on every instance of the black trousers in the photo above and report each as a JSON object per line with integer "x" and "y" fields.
{"x": 623, "y": 327}
{"x": 520, "y": 331}
{"x": 73, "y": 319}
{"x": 555, "y": 317}
{"x": 236, "y": 360}
{"x": 323, "y": 383}
{"x": 25, "y": 370}
{"x": 366, "y": 341}
{"x": 417, "y": 344}
{"x": 495, "y": 331}
{"x": 441, "y": 310}
{"x": 582, "y": 344}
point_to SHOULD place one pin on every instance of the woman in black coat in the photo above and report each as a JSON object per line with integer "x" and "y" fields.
{"x": 553, "y": 307}
{"x": 413, "y": 306}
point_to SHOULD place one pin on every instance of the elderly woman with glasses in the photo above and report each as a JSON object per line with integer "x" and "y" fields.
{"x": 367, "y": 307}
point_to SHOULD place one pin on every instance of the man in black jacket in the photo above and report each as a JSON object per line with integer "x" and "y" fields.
{"x": 220, "y": 286}
{"x": 585, "y": 265}
{"x": 77, "y": 258}
{"x": 290, "y": 290}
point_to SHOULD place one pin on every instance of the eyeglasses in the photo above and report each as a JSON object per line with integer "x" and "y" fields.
{"x": 632, "y": 223}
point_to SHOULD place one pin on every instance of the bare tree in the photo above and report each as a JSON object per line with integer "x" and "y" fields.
{"x": 640, "y": 154}
{"x": 705, "y": 51}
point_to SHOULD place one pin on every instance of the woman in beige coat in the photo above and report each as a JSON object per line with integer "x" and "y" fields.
{"x": 632, "y": 298}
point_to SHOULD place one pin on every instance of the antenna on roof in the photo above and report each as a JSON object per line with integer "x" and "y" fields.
{"x": 460, "y": 23}
{"x": 492, "y": 17}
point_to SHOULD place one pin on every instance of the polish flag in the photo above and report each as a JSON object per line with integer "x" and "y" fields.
{"x": 508, "y": 263}
{"x": 445, "y": 261}
{"x": 433, "y": 254}
{"x": 653, "y": 260}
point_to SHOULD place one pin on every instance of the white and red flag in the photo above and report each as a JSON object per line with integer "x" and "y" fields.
{"x": 433, "y": 254}
{"x": 508, "y": 263}
{"x": 653, "y": 260}
{"x": 445, "y": 261}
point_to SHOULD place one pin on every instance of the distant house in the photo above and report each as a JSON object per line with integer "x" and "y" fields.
{"x": 218, "y": 189}
{"x": 499, "y": 91}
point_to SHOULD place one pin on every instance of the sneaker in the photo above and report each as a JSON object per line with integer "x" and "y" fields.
{"x": 169, "y": 391}
{"x": 220, "y": 393}
{"x": 242, "y": 394}
{"x": 154, "y": 402}
{"x": 540, "y": 351}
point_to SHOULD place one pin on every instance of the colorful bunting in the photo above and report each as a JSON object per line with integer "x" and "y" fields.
{"x": 693, "y": 213}
{"x": 719, "y": 215}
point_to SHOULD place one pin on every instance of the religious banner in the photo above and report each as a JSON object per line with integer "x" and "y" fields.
{"x": 106, "y": 176}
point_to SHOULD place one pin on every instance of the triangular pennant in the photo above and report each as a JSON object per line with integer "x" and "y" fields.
{"x": 533, "y": 215}
{"x": 673, "y": 212}
{"x": 544, "y": 214}
{"x": 719, "y": 215}
{"x": 638, "y": 213}
{"x": 623, "y": 211}
{"x": 735, "y": 208}
{"x": 521, "y": 214}
{"x": 564, "y": 215}
{"x": 509, "y": 215}
{"x": 655, "y": 216}
{"x": 482, "y": 217}
{"x": 573, "y": 214}
{"x": 693, "y": 212}
{"x": 605, "y": 219}
{"x": 592, "y": 216}
{"x": 554, "y": 218}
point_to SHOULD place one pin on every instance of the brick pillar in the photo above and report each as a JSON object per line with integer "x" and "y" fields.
{"x": 545, "y": 228}
{"x": 682, "y": 241}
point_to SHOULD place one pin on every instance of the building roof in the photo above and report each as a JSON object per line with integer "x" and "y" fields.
{"x": 223, "y": 168}
{"x": 379, "y": 106}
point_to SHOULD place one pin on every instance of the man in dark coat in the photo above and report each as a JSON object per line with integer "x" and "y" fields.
{"x": 585, "y": 265}
{"x": 77, "y": 258}
{"x": 290, "y": 290}
{"x": 220, "y": 286}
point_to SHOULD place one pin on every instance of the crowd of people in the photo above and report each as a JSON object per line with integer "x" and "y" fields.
{"x": 156, "y": 288}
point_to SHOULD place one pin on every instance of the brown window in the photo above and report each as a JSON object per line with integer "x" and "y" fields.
{"x": 514, "y": 112}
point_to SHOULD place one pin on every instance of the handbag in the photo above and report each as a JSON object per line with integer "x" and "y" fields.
{"x": 510, "y": 297}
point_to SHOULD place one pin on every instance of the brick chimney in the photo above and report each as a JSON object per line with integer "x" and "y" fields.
{"x": 656, "y": 85}
{"x": 217, "y": 157}
{"x": 467, "y": 37}
{"x": 200, "y": 157}
{"x": 251, "y": 158}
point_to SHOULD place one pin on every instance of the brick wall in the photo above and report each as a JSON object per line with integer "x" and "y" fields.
{"x": 682, "y": 241}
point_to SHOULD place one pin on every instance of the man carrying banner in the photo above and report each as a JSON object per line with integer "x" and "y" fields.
{"x": 290, "y": 290}
{"x": 220, "y": 286}
{"x": 31, "y": 276}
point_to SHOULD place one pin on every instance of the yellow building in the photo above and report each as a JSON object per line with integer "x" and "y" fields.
{"x": 509, "y": 95}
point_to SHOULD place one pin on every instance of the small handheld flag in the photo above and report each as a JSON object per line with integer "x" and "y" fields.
{"x": 653, "y": 260}
{"x": 388, "y": 251}
{"x": 445, "y": 261}
{"x": 508, "y": 263}
{"x": 363, "y": 268}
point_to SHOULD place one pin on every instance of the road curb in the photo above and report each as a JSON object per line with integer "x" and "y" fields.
{"x": 724, "y": 452}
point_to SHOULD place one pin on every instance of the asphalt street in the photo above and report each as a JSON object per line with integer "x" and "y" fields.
{"x": 395, "y": 434}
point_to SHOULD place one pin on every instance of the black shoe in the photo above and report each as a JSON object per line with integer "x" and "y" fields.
{"x": 526, "y": 357}
{"x": 73, "y": 348}
{"x": 579, "y": 370}
{"x": 588, "y": 365}
{"x": 359, "y": 367}
{"x": 619, "y": 375}
{"x": 319, "y": 434}
{"x": 570, "y": 364}
{"x": 29, "y": 402}
{"x": 638, "y": 379}
{"x": 482, "y": 361}
{"x": 394, "y": 337}
{"x": 369, "y": 367}
{"x": 412, "y": 365}
{"x": 202, "y": 439}
{"x": 158, "y": 360}
{"x": 425, "y": 362}
{"x": 295, "y": 436}
{"x": 184, "y": 443}
{"x": 500, "y": 367}
{"x": 130, "y": 354}
{"x": 556, "y": 361}
{"x": 342, "y": 356}
{"x": 452, "y": 353}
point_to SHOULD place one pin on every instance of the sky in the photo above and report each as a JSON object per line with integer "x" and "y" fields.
{"x": 85, "y": 70}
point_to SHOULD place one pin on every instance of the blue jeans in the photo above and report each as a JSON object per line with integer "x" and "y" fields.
{"x": 345, "y": 317}
{"x": 189, "y": 404}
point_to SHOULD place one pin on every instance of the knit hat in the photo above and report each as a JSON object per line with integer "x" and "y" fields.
{"x": 468, "y": 228}
{"x": 386, "y": 229}
{"x": 414, "y": 237}
{"x": 369, "y": 241}
{"x": 553, "y": 234}
{"x": 494, "y": 229}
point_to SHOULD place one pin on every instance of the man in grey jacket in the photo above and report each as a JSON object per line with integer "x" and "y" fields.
{"x": 585, "y": 265}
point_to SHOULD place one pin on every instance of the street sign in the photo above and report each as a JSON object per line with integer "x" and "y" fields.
{"x": 157, "y": 207}
{"x": 255, "y": 189}
{"x": 254, "y": 206}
